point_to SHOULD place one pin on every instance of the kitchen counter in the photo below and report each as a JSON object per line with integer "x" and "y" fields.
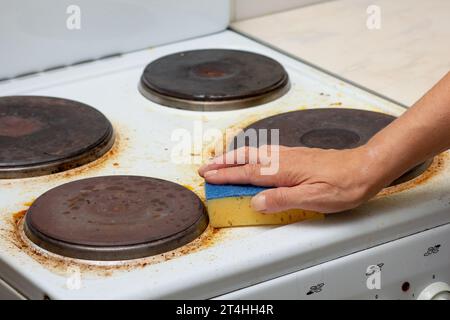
{"x": 401, "y": 60}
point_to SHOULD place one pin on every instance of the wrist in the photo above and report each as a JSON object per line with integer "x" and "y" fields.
{"x": 377, "y": 167}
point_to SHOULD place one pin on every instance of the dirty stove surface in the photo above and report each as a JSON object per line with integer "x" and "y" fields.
{"x": 218, "y": 261}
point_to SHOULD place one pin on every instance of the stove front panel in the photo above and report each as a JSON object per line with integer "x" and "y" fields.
{"x": 401, "y": 269}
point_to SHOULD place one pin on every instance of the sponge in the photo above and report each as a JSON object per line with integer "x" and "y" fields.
{"x": 229, "y": 206}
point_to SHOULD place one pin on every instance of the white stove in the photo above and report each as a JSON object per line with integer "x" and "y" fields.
{"x": 392, "y": 247}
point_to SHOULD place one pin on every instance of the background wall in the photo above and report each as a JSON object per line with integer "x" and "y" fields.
{"x": 245, "y": 9}
{"x": 402, "y": 59}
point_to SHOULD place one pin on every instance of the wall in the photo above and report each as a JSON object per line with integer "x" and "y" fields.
{"x": 59, "y": 33}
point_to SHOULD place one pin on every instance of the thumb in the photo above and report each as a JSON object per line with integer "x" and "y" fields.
{"x": 281, "y": 199}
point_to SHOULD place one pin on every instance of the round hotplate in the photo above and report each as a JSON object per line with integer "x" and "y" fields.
{"x": 44, "y": 135}
{"x": 214, "y": 80}
{"x": 325, "y": 129}
{"x": 115, "y": 218}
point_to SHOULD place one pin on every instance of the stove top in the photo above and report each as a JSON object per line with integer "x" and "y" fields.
{"x": 115, "y": 218}
{"x": 214, "y": 80}
{"x": 150, "y": 142}
{"x": 44, "y": 135}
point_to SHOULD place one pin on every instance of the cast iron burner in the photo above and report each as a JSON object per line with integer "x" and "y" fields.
{"x": 213, "y": 80}
{"x": 44, "y": 135}
{"x": 326, "y": 129}
{"x": 115, "y": 218}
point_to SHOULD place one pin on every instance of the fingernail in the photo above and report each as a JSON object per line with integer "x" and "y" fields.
{"x": 210, "y": 173}
{"x": 259, "y": 202}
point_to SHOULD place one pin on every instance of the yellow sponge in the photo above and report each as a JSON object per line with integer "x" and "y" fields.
{"x": 229, "y": 206}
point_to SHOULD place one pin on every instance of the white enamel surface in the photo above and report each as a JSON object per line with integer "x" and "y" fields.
{"x": 243, "y": 256}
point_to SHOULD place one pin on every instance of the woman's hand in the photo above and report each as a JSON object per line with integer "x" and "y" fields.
{"x": 331, "y": 180}
{"x": 311, "y": 179}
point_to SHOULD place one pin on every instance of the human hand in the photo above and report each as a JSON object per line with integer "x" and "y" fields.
{"x": 311, "y": 179}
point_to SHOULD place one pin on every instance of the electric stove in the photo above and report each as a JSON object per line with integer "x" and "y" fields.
{"x": 81, "y": 229}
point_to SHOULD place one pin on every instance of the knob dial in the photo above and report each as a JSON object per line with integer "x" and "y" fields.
{"x": 435, "y": 291}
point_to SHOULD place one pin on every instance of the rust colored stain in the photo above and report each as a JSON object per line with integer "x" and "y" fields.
{"x": 17, "y": 217}
{"x": 107, "y": 160}
{"x": 62, "y": 265}
{"x": 97, "y": 164}
{"x": 437, "y": 166}
{"x": 120, "y": 144}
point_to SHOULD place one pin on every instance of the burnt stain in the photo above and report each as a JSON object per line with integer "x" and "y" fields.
{"x": 60, "y": 265}
{"x": 107, "y": 160}
{"x": 439, "y": 163}
{"x": 102, "y": 162}
{"x": 120, "y": 146}
{"x": 45, "y": 135}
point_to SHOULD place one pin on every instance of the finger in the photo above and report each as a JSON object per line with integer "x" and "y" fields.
{"x": 231, "y": 158}
{"x": 212, "y": 166}
{"x": 241, "y": 156}
{"x": 306, "y": 197}
{"x": 246, "y": 174}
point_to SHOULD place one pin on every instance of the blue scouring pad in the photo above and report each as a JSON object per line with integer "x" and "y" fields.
{"x": 218, "y": 191}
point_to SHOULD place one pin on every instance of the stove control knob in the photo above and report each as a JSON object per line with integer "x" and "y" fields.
{"x": 435, "y": 291}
